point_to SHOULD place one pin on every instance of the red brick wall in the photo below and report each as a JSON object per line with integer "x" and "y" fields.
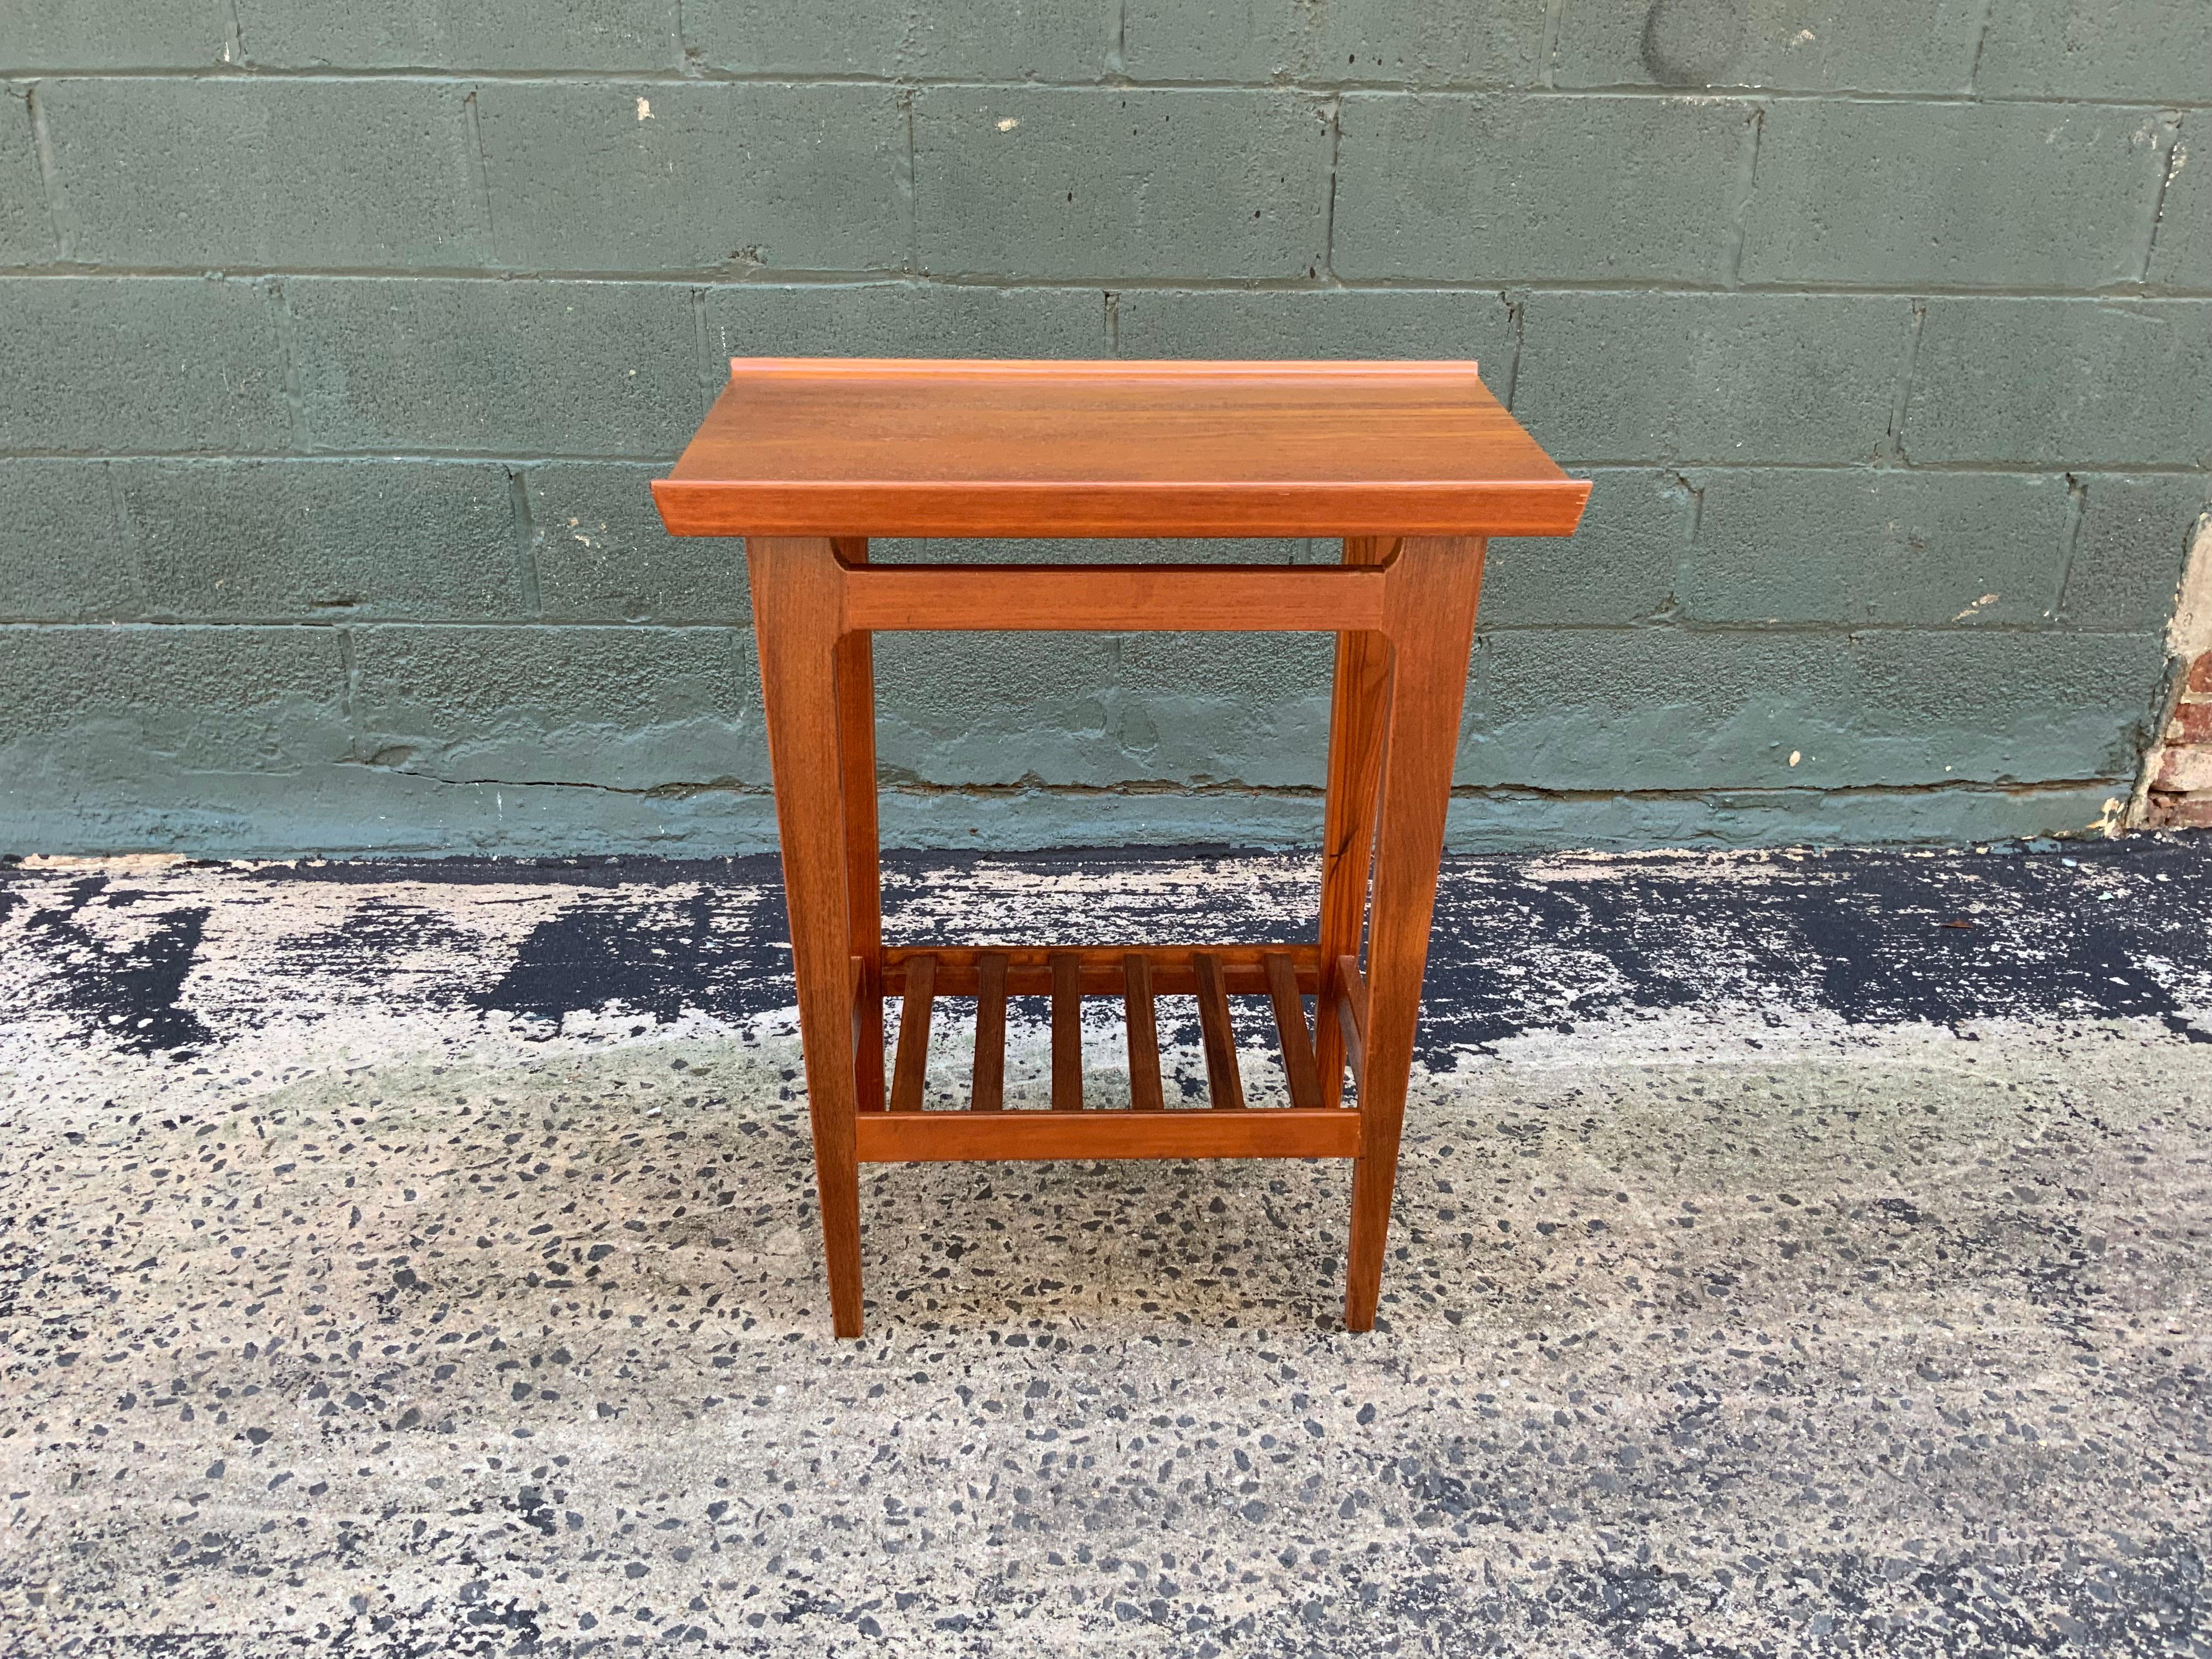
{"x": 2181, "y": 772}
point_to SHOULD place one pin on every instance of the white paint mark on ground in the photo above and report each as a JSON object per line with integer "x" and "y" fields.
{"x": 1828, "y": 1227}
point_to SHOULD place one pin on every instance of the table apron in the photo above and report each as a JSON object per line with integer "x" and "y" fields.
{"x": 1196, "y": 598}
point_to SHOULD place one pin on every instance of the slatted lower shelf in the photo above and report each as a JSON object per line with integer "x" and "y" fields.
{"x": 1226, "y": 1127}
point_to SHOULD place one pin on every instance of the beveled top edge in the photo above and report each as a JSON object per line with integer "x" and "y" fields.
{"x": 1543, "y": 506}
{"x": 1107, "y": 368}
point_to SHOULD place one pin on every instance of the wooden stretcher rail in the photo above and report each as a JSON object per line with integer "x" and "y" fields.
{"x": 1105, "y": 972}
{"x": 1197, "y": 599}
{"x": 944, "y": 1137}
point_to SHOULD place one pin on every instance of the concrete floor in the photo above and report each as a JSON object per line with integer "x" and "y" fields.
{"x": 1792, "y": 1255}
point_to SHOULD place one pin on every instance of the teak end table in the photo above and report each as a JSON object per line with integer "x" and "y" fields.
{"x": 1413, "y": 464}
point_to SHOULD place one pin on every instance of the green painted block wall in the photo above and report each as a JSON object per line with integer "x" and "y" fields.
{"x": 338, "y": 344}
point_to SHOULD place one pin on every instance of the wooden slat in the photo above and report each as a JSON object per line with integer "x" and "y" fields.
{"x": 1198, "y": 598}
{"x": 1225, "y": 1086}
{"x": 1351, "y": 1016}
{"x": 914, "y": 1037}
{"x": 1144, "y": 1033}
{"x": 1028, "y": 969}
{"x": 939, "y": 1137}
{"x": 1298, "y": 1070}
{"x": 989, "y": 1089}
{"x": 1066, "y": 1031}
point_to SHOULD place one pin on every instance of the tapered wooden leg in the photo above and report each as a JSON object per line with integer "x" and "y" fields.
{"x": 1429, "y": 614}
{"x": 797, "y": 614}
{"x": 1355, "y": 767}
{"x": 864, "y": 891}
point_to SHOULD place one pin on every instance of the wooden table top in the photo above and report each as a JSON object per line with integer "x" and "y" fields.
{"x": 911, "y": 447}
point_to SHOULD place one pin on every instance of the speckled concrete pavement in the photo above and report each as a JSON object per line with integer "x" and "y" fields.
{"x": 1792, "y": 1255}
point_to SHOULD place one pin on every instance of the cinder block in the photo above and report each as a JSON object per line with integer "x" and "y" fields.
{"x": 1478, "y": 189}
{"x": 2063, "y": 383}
{"x": 329, "y": 539}
{"x": 65, "y": 554}
{"x": 1499, "y": 43}
{"x": 1814, "y": 45}
{"x": 1656, "y": 708}
{"x": 501, "y": 368}
{"x": 27, "y": 227}
{"x": 2128, "y": 553}
{"x": 1620, "y": 567}
{"x": 2181, "y": 253}
{"x": 1235, "y": 40}
{"x": 1035, "y": 40}
{"x": 105, "y": 34}
{"x": 1318, "y": 323}
{"x": 603, "y": 556}
{"x": 1721, "y": 378}
{"x": 462, "y": 35}
{"x": 1102, "y": 711}
{"x": 620, "y": 709}
{"x": 1211, "y": 710}
{"x": 139, "y": 363}
{"x": 1120, "y": 182}
{"x": 1861, "y": 548}
{"x": 126, "y": 706}
{"x": 651, "y": 176}
{"x": 973, "y": 820}
{"x": 1097, "y": 712}
{"x": 1516, "y": 820}
{"x": 1969, "y": 195}
{"x": 186, "y": 174}
{"x": 902, "y": 320}
{"x": 997, "y": 710}
{"x": 2151, "y": 50}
